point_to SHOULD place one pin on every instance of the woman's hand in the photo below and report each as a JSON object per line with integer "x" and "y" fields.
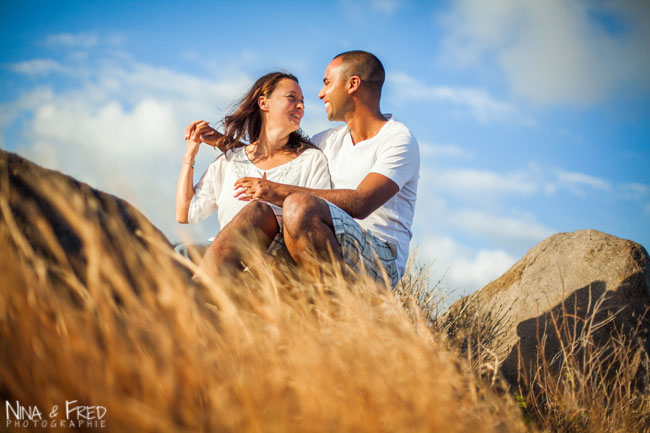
{"x": 200, "y": 131}
{"x": 254, "y": 188}
{"x": 196, "y": 133}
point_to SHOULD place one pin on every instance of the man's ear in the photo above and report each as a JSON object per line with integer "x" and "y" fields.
{"x": 354, "y": 82}
{"x": 262, "y": 103}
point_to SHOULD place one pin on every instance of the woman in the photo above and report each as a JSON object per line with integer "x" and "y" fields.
{"x": 268, "y": 118}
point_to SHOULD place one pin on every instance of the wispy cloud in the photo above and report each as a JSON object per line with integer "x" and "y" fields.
{"x": 477, "y": 103}
{"x": 356, "y": 9}
{"x": 27, "y": 102}
{"x": 635, "y": 191}
{"x": 485, "y": 183}
{"x": 72, "y": 40}
{"x": 37, "y": 67}
{"x": 465, "y": 270}
{"x": 578, "y": 183}
{"x": 121, "y": 128}
{"x": 638, "y": 193}
{"x": 555, "y": 51}
{"x": 435, "y": 150}
{"x": 507, "y": 231}
{"x": 386, "y": 6}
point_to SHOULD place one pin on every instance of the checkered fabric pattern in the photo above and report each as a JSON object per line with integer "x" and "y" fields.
{"x": 362, "y": 250}
{"x": 277, "y": 246}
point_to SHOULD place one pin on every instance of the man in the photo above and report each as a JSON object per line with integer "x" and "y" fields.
{"x": 374, "y": 165}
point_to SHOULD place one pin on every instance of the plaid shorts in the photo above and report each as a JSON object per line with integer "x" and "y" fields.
{"x": 361, "y": 250}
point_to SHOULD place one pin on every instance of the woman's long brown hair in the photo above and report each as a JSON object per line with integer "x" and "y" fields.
{"x": 245, "y": 123}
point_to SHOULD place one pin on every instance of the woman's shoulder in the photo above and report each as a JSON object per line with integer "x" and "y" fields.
{"x": 223, "y": 160}
{"x": 233, "y": 154}
{"x": 313, "y": 153}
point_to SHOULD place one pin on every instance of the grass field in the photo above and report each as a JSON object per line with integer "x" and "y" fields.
{"x": 125, "y": 330}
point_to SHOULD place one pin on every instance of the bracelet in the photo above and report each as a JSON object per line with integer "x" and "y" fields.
{"x": 191, "y": 164}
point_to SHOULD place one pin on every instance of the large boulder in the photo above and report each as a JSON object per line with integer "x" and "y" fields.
{"x": 583, "y": 289}
{"x": 43, "y": 211}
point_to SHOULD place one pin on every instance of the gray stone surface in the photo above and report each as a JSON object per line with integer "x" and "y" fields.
{"x": 547, "y": 297}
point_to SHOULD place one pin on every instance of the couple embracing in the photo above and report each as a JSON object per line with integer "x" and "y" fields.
{"x": 348, "y": 193}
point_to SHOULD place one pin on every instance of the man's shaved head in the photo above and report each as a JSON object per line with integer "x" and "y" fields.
{"x": 366, "y": 66}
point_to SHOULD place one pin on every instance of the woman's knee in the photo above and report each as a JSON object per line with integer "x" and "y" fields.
{"x": 256, "y": 214}
{"x": 300, "y": 210}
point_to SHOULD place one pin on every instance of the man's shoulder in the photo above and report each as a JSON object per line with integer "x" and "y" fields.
{"x": 398, "y": 129}
{"x": 397, "y": 135}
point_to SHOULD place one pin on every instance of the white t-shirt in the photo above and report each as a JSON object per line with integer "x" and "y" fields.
{"x": 394, "y": 153}
{"x": 215, "y": 190}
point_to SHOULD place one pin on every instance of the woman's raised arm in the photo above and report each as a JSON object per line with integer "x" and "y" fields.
{"x": 185, "y": 186}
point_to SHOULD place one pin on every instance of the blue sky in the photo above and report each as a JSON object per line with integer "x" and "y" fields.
{"x": 533, "y": 117}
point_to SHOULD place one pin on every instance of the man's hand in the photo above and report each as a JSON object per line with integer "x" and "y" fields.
{"x": 201, "y": 132}
{"x": 254, "y": 188}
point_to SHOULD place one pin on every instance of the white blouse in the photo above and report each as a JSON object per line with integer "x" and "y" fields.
{"x": 216, "y": 188}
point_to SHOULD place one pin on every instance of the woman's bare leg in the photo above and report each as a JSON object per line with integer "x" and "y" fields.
{"x": 254, "y": 226}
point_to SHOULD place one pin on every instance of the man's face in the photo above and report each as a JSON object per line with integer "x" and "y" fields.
{"x": 334, "y": 92}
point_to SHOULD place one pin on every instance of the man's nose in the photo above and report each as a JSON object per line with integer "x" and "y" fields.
{"x": 321, "y": 94}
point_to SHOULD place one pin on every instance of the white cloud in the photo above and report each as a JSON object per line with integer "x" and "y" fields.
{"x": 460, "y": 204}
{"x": 386, "y": 6}
{"x": 37, "y": 67}
{"x": 635, "y": 191}
{"x": 474, "y": 102}
{"x": 435, "y": 150}
{"x": 578, "y": 183}
{"x": 555, "y": 51}
{"x": 26, "y": 102}
{"x": 465, "y": 269}
{"x": 121, "y": 130}
{"x": 484, "y": 183}
{"x": 354, "y": 10}
{"x": 506, "y": 231}
{"x": 77, "y": 40}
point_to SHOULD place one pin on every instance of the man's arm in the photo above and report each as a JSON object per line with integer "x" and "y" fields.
{"x": 373, "y": 191}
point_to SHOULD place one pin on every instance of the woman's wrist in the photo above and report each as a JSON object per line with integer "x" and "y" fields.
{"x": 188, "y": 158}
{"x": 190, "y": 155}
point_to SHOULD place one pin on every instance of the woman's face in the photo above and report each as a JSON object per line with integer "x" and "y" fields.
{"x": 284, "y": 106}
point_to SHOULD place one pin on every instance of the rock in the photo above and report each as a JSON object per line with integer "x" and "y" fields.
{"x": 547, "y": 298}
{"x": 34, "y": 195}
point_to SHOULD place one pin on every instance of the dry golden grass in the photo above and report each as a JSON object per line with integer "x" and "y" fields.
{"x": 129, "y": 331}
{"x": 124, "y": 327}
{"x": 590, "y": 385}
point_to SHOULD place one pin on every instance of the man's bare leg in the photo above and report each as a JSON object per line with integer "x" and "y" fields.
{"x": 256, "y": 223}
{"x": 309, "y": 231}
